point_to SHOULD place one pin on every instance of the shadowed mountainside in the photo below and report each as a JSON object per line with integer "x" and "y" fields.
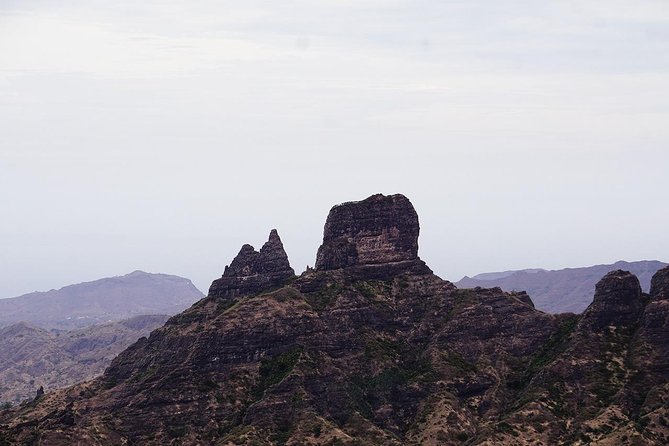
{"x": 564, "y": 290}
{"x": 370, "y": 348}
{"x": 99, "y": 301}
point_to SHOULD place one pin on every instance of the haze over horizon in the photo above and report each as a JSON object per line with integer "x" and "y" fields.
{"x": 161, "y": 136}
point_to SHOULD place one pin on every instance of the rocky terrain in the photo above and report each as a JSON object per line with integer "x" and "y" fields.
{"x": 564, "y": 290}
{"x": 100, "y": 301}
{"x": 369, "y": 348}
{"x": 32, "y": 357}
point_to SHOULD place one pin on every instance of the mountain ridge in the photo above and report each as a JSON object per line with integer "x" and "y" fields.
{"x": 562, "y": 290}
{"x": 102, "y": 300}
{"x": 360, "y": 352}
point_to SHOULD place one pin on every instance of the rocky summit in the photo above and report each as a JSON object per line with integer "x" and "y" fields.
{"x": 372, "y": 348}
{"x": 380, "y": 229}
{"x": 617, "y": 300}
{"x": 251, "y": 271}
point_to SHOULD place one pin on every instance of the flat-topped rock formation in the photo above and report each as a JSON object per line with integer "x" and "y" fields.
{"x": 380, "y": 229}
{"x": 252, "y": 271}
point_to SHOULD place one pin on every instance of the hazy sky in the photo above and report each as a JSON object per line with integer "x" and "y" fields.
{"x": 161, "y": 135}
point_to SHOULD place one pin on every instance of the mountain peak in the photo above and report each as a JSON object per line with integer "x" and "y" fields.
{"x": 274, "y": 236}
{"x": 137, "y": 272}
{"x": 617, "y": 300}
{"x": 380, "y": 229}
{"x": 252, "y": 271}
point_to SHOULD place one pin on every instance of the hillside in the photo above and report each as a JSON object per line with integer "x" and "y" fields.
{"x": 99, "y": 301}
{"x": 564, "y": 290}
{"x": 369, "y": 348}
{"x": 31, "y": 357}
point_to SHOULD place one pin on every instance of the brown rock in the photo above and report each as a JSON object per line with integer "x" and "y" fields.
{"x": 252, "y": 272}
{"x": 617, "y": 300}
{"x": 380, "y": 229}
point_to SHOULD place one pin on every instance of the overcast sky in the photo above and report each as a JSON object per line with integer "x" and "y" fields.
{"x": 161, "y": 135}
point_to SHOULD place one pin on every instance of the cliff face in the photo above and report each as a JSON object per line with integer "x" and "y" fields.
{"x": 372, "y": 348}
{"x": 377, "y": 230}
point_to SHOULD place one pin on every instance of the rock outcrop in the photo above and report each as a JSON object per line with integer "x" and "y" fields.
{"x": 651, "y": 378}
{"x": 381, "y": 229}
{"x": 659, "y": 285}
{"x": 617, "y": 301}
{"x": 252, "y": 272}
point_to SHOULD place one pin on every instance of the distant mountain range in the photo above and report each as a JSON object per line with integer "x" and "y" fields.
{"x": 31, "y": 357}
{"x": 564, "y": 290}
{"x": 100, "y": 301}
{"x": 62, "y": 337}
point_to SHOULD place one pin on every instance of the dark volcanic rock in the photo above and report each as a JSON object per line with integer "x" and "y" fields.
{"x": 252, "y": 272}
{"x": 372, "y": 348}
{"x": 617, "y": 300}
{"x": 651, "y": 356}
{"x": 379, "y": 229}
{"x": 654, "y": 332}
{"x": 659, "y": 285}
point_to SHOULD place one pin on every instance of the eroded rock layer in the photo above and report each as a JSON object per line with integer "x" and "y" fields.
{"x": 380, "y": 229}
{"x": 360, "y": 353}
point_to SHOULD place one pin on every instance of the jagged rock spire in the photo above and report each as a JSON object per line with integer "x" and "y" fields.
{"x": 380, "y": 229}
{"x": 252, "y": 272}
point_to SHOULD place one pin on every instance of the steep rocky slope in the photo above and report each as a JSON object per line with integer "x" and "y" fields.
{"x": 31, "y": 357}
{"x": 100, "y": 301}
{"x": 370, "y": 348}
{"x": 563, "y": 290}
